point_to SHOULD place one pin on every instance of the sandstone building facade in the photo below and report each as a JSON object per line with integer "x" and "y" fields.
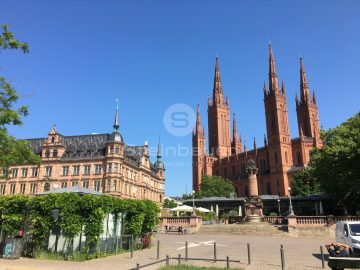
{"x": 281, "y": 154}
{"x": 102, "y": 162}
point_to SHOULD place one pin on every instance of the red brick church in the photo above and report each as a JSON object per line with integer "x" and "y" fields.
{"x": 278, "y": 158}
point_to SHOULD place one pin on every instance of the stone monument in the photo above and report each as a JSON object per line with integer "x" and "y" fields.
{"x": 253, "y": 204}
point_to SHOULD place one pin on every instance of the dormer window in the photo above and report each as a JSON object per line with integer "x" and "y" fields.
{"x": 55, "y": 153}
{"x": 52, "y": 139}
{"x": 111, "y": 149}
{"x": 47, "y": 153}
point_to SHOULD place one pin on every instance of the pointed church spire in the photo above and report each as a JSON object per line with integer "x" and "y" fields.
{"x": 304, "y": 88}
{"x": 255, "y": 149}
{"x": 159, "y": 150}
{"x": 265, "y": 141}
{"x": 116, "y": 122}
{"x": 235, "y": 134}
{"x": 198, "y": 123}
{"x": 314, "y": 97}
{"x": 264, "y": 89}
{"x": 296, "y": 99}
{"x": 273, "y": 79}
{"x": 217, "y": 91}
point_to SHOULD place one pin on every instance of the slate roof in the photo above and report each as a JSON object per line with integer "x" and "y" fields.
{"x": 88, "y": 147}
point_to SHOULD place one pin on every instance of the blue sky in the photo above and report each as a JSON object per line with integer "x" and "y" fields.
{"x": 154, "y": 54}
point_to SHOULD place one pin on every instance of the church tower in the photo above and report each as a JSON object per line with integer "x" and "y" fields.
{"x": 307, "y": 111}
{"x": 278, "y": 134}
{"x": 236, "y": 144}
{"x": 198, "y": 148}
{"x": 219, "y": 119}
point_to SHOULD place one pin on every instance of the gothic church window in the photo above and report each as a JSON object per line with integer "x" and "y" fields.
{"x": 298, "y": 158}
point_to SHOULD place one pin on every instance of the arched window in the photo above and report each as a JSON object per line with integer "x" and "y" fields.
{"x": 55, "y": 153}
{"x": 117, "y": 150}
{"x": 47, "y": 186}
{"x": 299, "y": 158}
{"x": 52, "y": 139}
{"x": 47, "y": 153}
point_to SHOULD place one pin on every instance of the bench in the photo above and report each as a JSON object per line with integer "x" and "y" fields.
{"x": 339, "y": 263}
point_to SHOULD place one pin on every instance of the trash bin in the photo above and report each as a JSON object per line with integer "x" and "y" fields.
{"x": 12, "y": 248}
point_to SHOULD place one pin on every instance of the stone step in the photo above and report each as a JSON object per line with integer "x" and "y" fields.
{"x": 245, "y": 229}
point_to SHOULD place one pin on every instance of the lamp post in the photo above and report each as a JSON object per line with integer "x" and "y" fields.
{"x": 193, "y": 201}
{"x": 290, "y": 207}
{"x": 278, "y": 200}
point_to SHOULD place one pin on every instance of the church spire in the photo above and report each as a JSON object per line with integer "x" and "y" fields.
{"x": 198, "y": 123}
{"x": 159, "y": 150}
{"x": 235, "y": 134}
{"x": 314, "y": 97}
{"x": 116, "y": 121}
{"x": 304, "y": 88}
{"x": 217, "y": 91}
{"x": 273, "y": 79}
{"x": 283, "y": 91}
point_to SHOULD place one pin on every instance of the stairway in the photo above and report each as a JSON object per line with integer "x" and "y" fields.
{"x": 262, "y": 228}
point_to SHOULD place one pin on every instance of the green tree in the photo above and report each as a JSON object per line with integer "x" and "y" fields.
{"x": 11, "y": 150}
{"x": 169, "y": 203}
{"x": 215, "y": 186}
{"x": 303, "y": 183}
{"x": 336, "y": 165}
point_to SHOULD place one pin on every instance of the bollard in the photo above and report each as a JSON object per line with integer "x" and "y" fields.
{"x": 132, "y": 246}
{"x": 214, "y": 251}
{"x": 167, "y": 260}
{"x": 322, "y": 257}
{"x": 179, "y": 259}
{"x": 158, "y": 250}
{"x": 282, "y": 257}
{"x": 248, "y": 250}
{"x": 186, "y": 251}
{"x": 227, "y": 262}
{"x": 137, "y": 266}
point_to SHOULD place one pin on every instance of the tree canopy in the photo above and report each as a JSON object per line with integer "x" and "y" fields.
{"x": 215, "y": 186}
{"x": 11, "y": 150}
{"x": 334, "y": 169}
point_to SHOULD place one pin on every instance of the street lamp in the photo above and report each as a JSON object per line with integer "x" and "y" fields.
{"x": 193, "y": 199}
{"x": 278, "y": 200}
{"x": 290, "y": 207}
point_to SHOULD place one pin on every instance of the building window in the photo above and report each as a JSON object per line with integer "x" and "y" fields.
{"x": 55, "y": 153}
{"x": 64, "y": 184}
{"x": 52, "y": 139}
{"x": 116, "y": 167}
{"x": 14, "y": 172}
{"x": 65, "y": 170}
{"x": 114, "y": 185}
{"x": 97, "y": 185}
{"x": 22, "y": 188}
{"x": 109, "y": 168}
{"x": 32, "y": 188}
{"x": 276, "y": 159}
{"x": 86, "y": 184}
{"x": 98, "y": 169}
{"x": 47, "y": 186}
{"x": 47, "y": 153}
{"x": 108, "y": 184}
{"x": 12, "y": 188}
{"x": 246, "y": 191}
{"x": 34, "y": 172}
{"x": 87, "y": 169}
{"x": 286, "y": 157}
{"x": 111, "y": 149}
{"x": 76, "y": 170}
{"x": 2, "y": 189}
{"x": 74, "y": 183}
{"x": 299, "y": 158}
{"x": 268, "y": 189}
{"x": 24, "y": 172}
{"x": 48, "y": 170}
{"x": 117, "y": 151}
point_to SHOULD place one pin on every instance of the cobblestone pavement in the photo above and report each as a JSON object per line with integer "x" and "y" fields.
{"x": 300, "y": 253}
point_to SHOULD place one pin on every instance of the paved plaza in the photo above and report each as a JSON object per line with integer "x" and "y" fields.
{"x": 300, "y": 253}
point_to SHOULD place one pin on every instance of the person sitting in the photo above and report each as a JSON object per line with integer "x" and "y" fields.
{"x": 338, "y": 250}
